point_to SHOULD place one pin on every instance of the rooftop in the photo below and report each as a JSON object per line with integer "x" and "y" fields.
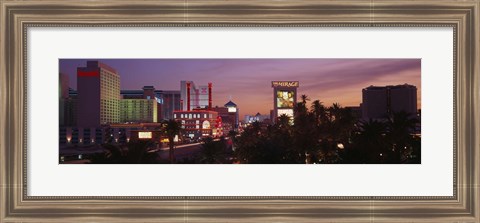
{"x": 230, "y": 104}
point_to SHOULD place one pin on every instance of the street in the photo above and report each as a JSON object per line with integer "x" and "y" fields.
{"x": 181, "y": 151}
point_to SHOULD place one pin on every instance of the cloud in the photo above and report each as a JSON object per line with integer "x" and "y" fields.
{"x": 248, "y": 81}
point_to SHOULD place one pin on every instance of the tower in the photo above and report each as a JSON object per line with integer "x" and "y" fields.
{"x": 284, "y": 98}
{"x": 98, "y": 95}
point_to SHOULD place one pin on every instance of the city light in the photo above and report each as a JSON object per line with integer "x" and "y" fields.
{"x": 144, "y": 135}
{"x": 325, "y": 129}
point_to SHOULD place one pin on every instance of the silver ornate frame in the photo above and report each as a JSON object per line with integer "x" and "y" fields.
{"x": 17, "y": 16}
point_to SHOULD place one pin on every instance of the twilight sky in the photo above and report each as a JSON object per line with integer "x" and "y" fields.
{"x": 248, "y": 81}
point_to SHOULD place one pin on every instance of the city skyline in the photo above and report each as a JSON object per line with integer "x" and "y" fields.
{"x": 247, "y": 81}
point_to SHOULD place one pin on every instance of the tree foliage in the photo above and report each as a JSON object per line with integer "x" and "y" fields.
{"x": 135, "y": 152}
{"x": 320, "y": 134}
{"x": 171, "y": 129}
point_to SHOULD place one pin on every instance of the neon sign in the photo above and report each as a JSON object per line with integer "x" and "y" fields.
{"x": 285, "y": 83}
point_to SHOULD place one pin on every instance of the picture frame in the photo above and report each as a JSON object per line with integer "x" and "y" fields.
{"x": 17, "y": 16}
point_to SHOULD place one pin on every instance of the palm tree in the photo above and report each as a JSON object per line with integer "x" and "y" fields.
{"x": 371, "y": 141}
{"x": 318, "y": 110}
{"x": 138, "y": 152}
{"x": 213, "y": 151}
{"x": 135, "y": 152}
{"x": 232, "y": 134}
{"x": 112, "y": 155}
{"x": 283, "y": 120}
{"x": 400, "y": 126}
{"x": 304, "y": 99}
{"x": 247, "y": 143}
{"x": 171, "y": 128}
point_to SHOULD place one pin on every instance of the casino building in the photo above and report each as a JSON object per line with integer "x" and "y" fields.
{"x": 199, "y": 123}
{"x": 380, "y": 101}
{"x": 284, "y": 98}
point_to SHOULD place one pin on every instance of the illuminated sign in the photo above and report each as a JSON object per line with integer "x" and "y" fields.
{"x": 94, "y": 73}
{"x": 206, "y": 125}
{"x": 288, "y": 112}
{"x": 232, "y": 109}
{"x": 285, "y": 83}
{"x": 285, "y": 99}
{"x": 144, "y": 135}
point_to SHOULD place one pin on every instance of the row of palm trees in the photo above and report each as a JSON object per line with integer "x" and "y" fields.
{"x": 321, "y": 134}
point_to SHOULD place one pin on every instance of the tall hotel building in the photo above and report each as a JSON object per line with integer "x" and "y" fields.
{"x": 98, "y": 95}
{"x": 380, "y": 101}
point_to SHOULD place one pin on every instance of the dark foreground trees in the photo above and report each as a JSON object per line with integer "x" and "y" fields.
{"x": 171, "y": 129}
{"x": 331, "y": 134}
{"x": 214, "y": 151}
{"x": 134, "y": 152}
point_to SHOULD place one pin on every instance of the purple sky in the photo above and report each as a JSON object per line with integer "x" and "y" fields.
{"x": 248, "y": 81}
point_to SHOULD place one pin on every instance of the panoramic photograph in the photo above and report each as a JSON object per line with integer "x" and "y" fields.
{"x": 239, "y": 111}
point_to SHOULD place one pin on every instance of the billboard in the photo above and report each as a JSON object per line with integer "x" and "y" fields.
{"x": 144, "y": 135}
{"x": 288, "y": 112}
{"x": 285, "y": 99}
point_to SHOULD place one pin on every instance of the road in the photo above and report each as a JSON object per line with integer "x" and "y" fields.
{"x": 181, "y": 151}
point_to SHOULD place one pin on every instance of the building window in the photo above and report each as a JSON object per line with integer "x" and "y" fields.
{"x": 174, "y": 115}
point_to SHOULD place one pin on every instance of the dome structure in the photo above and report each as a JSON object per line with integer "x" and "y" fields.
{"x": 230, "y": 104}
